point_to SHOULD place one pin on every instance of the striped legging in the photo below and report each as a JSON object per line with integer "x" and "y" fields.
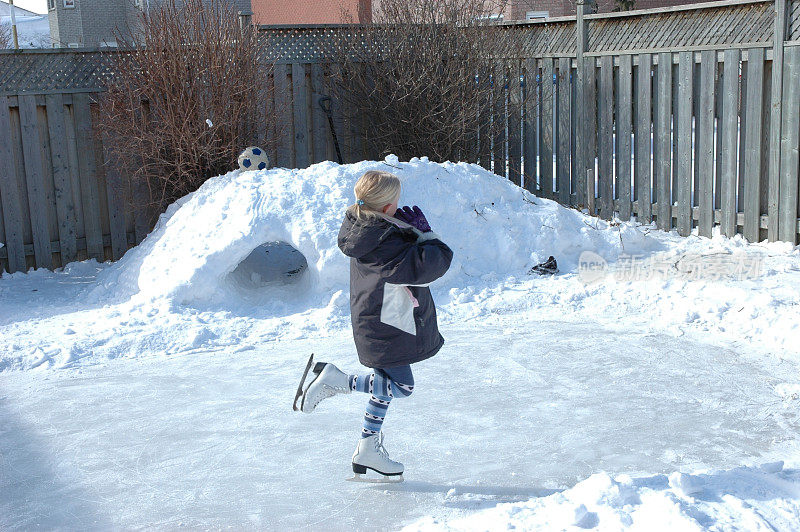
{"x": 383, "y": 385}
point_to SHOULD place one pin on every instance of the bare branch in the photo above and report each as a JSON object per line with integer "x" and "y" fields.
{"x": 185, "y": 62}
{"x": 423, "y": 77}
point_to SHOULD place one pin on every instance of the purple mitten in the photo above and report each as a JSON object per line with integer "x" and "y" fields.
{"x": 413, "y": 217}
{"x": 400, "y": 215}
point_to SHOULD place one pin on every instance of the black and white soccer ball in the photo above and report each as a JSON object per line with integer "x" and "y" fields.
{"x": 253, "y": 158}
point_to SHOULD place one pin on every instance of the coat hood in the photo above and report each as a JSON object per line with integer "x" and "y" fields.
{"x": 359, "y": 237}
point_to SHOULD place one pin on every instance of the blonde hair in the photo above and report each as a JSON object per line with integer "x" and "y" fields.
{"x": 374, "y": 190}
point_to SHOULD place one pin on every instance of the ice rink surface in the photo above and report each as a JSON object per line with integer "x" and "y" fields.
{"x": 510, "y": 409}
{"x": 155, "y": 392}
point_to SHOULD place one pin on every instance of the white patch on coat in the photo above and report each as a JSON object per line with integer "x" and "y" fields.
{"x": 397, "y": 309}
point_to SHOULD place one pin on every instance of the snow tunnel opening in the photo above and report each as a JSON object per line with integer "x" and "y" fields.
{"x": 271, "y": 264}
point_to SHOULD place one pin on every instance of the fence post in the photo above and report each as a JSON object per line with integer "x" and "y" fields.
{"x": 778, "y": 36}
{"x": 245, "y": 20}
{"x": 580, "y": 137}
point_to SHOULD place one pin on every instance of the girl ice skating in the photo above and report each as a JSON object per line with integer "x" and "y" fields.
{"x": 393, "y": 259}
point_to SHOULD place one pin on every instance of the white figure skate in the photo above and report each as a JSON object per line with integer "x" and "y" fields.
{"x": 328, "y": 381}
{"x": 371, "y": 454}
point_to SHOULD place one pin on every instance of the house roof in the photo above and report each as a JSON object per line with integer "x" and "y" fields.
{"x": 5, "y": 10}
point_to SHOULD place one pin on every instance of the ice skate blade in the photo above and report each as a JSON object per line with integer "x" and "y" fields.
{"x": 300, "y": 388}
{"x": 384, "y": 479}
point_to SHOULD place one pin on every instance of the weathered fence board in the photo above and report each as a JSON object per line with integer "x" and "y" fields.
{"x": 729, "y": 130}
{"x": 319, "y": 132}
{"x": 642, "y": 138}
{"x": 718, "y": 89}
{"x": 579, "y": 108}
{"x": 34, "y": 178}
{"x": 546, "y": 128}
{"x": 111, "y": 193}
{"x": 753, "y": 164}
{"x": 563, "y": 112}
{"x": 514, "y": 125}
{"x": 13, "y": 237}
{"x": 775, "y": 144}
{"x": 705, "y": 142}
{"x": 741, "y": 136}
{"x": 356, "y": 126}
{"x": 74, "y": 170}
{"x": 499, "y": 119}
{"x": 337, "y": 112}
{"x": 84, "y": 135}
{"x": 65, "y": 206}
{"x": 300, "y": 115}
{"x": 484, "y": 132}
{"x": 284, "y": 118}
{"x": 574, "y": 195}
{"x": 662, "y": 162}
{"x": 270, "y": 133}
{"x": 605, "y": 139}
{"x": 790, "y": 139}
{"x": 530, "y": 121}
{"x": 684, "y": 133}
{"x": 674, "y": 130}
{"x": 590, "y": 129}
{"x": 624, "y": 129}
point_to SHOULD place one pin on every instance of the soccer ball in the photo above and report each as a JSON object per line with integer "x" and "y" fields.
{"x": 253, "y": 158}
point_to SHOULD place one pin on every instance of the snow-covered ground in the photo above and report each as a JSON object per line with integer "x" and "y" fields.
{"x": 33, "y": 31}
{"x": 155, "y": 391}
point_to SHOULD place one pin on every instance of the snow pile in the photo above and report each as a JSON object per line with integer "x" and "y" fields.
{"x": 494, "y": 228}
{"x": 252, "y": 257}
{"x": 764, "y": 498}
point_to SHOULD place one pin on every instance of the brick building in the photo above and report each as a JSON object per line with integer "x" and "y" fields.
{"x": 77, "y": 23}
{"x": 536, "y": 9}
{"x": 311, "y": 12}
{"x": 330, "y": 11}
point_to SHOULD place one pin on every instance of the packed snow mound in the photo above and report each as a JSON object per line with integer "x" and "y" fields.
{"x": 494, "y": 228}
{"x": 748, "y": 498}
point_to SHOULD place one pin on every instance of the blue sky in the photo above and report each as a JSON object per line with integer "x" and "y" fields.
{"x": 37, "y": 6}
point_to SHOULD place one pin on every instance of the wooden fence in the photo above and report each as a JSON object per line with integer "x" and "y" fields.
{"x": 58, "y": 203}
{"x": 686, "y": 116}
{"x": 689, "y": 116}
{"x": 689, "y": 136}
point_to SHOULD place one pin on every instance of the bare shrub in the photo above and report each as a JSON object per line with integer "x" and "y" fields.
{"x": 184, "y": 99}
{"x": 624, "y": 5}
{"x": 419, "y": 78}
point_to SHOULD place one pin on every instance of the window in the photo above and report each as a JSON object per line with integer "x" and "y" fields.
{"x": 69, "y": 4}
{"x": 494, "y": 17}
{"x": 537, "y": 15}
{"x": 51, "y": 4}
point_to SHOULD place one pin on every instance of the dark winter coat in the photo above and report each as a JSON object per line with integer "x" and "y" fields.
{"x": 391, "y": 308}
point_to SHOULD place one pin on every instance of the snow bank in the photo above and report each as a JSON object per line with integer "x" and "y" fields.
{"x": 495, "y": 229}
{"x": 33, "y": 31}
{"x": 208, "y": 276}
{"x": 764, "y": 498}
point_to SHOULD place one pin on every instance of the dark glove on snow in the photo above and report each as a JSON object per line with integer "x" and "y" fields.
{"x": 413, "y": 217}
